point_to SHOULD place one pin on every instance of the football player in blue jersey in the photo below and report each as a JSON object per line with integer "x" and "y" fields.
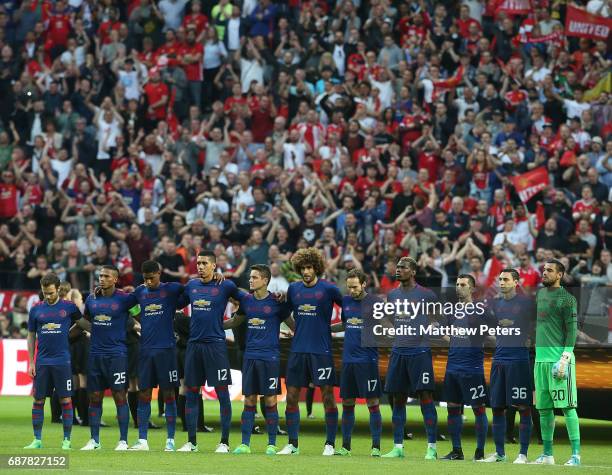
{"x": 310, "y": 361}
{"x": 410, "y": 366}
{"x": 261, "y": 366}
{"x": 511, "y": 374}
{"x": 206, "y": 358}
{"x": 50, "y": 322}
{"x": 109, "y": 314}
{"x": 359, "y": 377}
{"x": 464, "y": 381}
{"x": 157, "y": 365}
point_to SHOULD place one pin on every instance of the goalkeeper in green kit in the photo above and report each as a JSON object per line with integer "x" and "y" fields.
{"x": 555, "y": 364}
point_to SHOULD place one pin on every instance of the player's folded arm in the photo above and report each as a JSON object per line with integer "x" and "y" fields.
{"x": 235, "y": 321}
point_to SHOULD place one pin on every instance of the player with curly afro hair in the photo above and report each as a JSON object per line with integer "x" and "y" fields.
{"x": 309, "y": 264}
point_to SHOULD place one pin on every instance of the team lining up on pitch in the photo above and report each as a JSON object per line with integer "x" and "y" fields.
{"x": 307, "y": 310}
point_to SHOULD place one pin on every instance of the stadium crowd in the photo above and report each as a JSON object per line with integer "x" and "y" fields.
{"x": 368, "y": 129}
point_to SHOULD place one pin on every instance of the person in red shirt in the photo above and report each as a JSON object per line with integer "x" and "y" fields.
{"x": 148, "y": 55}
{"x": 428, "y": 157}
{"x": 157, "y": 98}
{"x": 367, "y": 182}
{"x": 170, "y": 49}
{"x": 107, "y": 26}
{"x": 9, "y": 196}
{"x": 191, "y": 57}
{"x": 196, "y": 20}
{"x": 58, "y": 28}
{"x": 236, "y": 105}
{"x": 529, "y": 275}
{"x": 585, "y": 207}
{"x": 464, "y": 21}
{"x": 262, "y": 119}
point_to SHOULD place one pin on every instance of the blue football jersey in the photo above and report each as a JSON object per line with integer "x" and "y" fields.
{"x": 466, "y": 351}
{"x": 518, "y": 314}
{"x": 312, "y": 311}
{"x": 411, "y": 344}
{"x": 208, "y": 303}
{"x": 52, "y": 323}
{"x": 263, "y": 319}
{"x": 157, "y": 310}
{"x": 354, "y": 314}
{"x": 109, "y": 318}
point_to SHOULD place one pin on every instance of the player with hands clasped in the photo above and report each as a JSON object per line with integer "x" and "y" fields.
{"x": 50, "y": 322}
{"x": 464, "y": 381}
{"x": 411, "y": 365}
{"x": 109, "y": 314}
{"x": 157, "y": 365}
{"x": 555, "y": 364}
{"x": 360, "y": 378}
{"x": 310, "y": 360}
{"x": 511, "y": 376}
{"x": 261, "y": 366}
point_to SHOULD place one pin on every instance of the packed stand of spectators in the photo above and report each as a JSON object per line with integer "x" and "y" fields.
{"x": 369, "y": 129}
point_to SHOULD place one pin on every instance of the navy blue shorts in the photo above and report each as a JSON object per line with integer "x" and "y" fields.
{"x": 359, "y": 380}
{"x": 207, "y": 363}
{"x": 465, "y": 388}
{"x": 260, "y": 377}
{"x": 49, "y": 377}
{"x": 104, "y": 372}
{"x": 410, "y": 374}
{"x": 157, "y": 367}
{"x": 306, "y": 368}
{"x": 511, "y": 384}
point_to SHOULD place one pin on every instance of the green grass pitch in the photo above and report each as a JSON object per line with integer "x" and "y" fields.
{"x": 16, "y": 431}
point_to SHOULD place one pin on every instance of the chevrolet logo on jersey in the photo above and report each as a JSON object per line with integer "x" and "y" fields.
{"x": 354, "y": 321}
{"x": 307, "y": 308}
{"x": 256, "y": 321}
{"x": 153, "y": 307}
{"x": 51, "y": 326}
{"x": 102, "y": 318}
{"x": 201, "y": 303}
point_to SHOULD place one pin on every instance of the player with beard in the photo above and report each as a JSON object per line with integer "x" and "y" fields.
{"x": 310, "y": 361}
{"x": 360, "y": 378}
{"x": 410, "y": 366}
{"x": 50, "y": 322}
{"x": 555, "y": 363}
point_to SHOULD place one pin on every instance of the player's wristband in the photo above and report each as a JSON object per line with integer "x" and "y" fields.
{"x": 566, "y": 357}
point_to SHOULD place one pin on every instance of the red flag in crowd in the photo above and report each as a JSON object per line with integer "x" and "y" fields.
{"x": 494, "y": 269}
{"x": 579, "y": 22}
{"x": 529, "y": 184}
{"x": 540, "y": 215}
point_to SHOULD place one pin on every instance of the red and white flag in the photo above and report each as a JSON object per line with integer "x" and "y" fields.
{"x": 579, "y": 22}
{"x": 529, "y": 184}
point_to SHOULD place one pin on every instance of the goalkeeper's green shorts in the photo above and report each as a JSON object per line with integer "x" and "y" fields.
{"x": 553, "y": 393}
